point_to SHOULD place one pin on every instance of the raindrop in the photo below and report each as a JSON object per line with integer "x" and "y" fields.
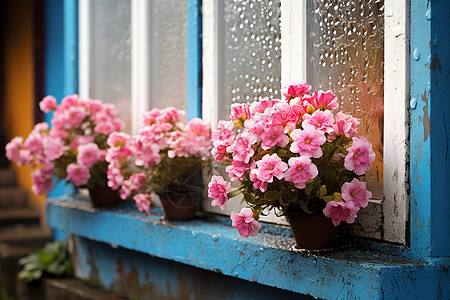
{"x": 416, "y": 54}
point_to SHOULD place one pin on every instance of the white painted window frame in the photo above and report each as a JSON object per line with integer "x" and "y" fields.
{"x": 394, "y": 207}
{"x": 140, "y": 58}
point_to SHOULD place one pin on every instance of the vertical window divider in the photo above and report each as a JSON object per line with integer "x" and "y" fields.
{"x": 210, "y": 46}
{"x": 396, "y": 115}
{"x": 140, "y": 61}
{"x": 194, "y": 60}
{"x": 293, "y": 42}
{"x": 84, "y": 48}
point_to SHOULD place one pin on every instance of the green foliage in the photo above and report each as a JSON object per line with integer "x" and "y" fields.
{"x": 53, "y": 259}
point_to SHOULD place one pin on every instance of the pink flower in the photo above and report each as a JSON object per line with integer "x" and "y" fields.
{"x": 239, "y": 113}
{"x": 172, "y": 115}
{"x": 242, "y": 149}
{"x": 78, "y": 174}
{"x": 118, "y": 140}
{"x": 270, "y": 166}
{"x": 48, "y": 104}
{"x": 145, "y": 150}
{"x": 53, "y": 147}
{"x": 224, "y": 132}
{"x": 237, "y": 169}
{"x": 218, "y": 189}
{"x": 245, "y": 223}
{"x": 70, "y": 100}
{"x": 151, "y": 116}
{"x": 297, "y": 90}
{"x": 115, "y": 177}
{"x": 301, "y": 169}
{"x": 34, "y": 143}
{"x": 307, "y": 142}
{"x": 138, "y": 180}
{"x": 322, "y": 121}
{"x": 13, "y": 149}
{"x": 256, "y": 125}
{"x": 74, "y": 116}
{"x": 88, "y": 154}
{"x": 105, "y": 127}
{"x": 274, "y": 135}
{"x": 258, "y": 184}
{"x": 323, "y": 100}
{"x": 42, "y": 180}
{"x": 219, "y": 152}
{"x": 143, "y": 202}
{"x": 260, "y": 106}
{"x": 345, "y": 124}
{"x": 283, "y": 116}
{"x": 79, "y": 140}
{"x": 341, "y": 211}
{"x": 360, "y": 156}
{"x": 199, "y": 127}
{"x": 356, "y": 192}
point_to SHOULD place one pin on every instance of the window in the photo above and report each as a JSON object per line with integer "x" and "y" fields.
{"x": 332, "y": 45}
{"x": 133, "y": 53}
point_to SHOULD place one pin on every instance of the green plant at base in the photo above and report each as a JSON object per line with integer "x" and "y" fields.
{"x": 53, "y": 259}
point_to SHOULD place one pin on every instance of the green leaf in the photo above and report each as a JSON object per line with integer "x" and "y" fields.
{"x": 271, "y": 196}
{"x": 328, "y": 198}
{"x": 323, "y": 190}
{"x": 308, "y": 189}
{"x": 338, "y": 197}
{"x": 304, "y": 206}
{"x": 234, "y": 193}
{"x": 248, "y": 198}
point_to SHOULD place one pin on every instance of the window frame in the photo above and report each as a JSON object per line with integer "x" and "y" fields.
{"x": 383, "y": 219}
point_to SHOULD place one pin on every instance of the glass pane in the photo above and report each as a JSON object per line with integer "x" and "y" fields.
{"x": 346, "y": 55}
{"x": 110, "y": 55}
{"x": 249, "y": 64}
{"x": 168, "y": 45}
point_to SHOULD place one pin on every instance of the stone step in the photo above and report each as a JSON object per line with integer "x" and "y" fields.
{"x": 9, "y": 266}
{"x": 19, "y": 217}
{"x": 26, "y": 236}
{"x": 13, "y": 197}
{"x": 75, "y": 289}
{"x": 8, "y": 177}
{"x": 62, "y": 288}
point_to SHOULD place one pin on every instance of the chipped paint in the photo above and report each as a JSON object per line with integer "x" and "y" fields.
{"x": 426, "y": 118}
{"x": 436, "y": 64}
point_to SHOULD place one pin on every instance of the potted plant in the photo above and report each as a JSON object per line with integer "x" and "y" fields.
{"x": 297, "y": 158}
{"x": 165, "y": 157}
{"x": 73, "y": 148}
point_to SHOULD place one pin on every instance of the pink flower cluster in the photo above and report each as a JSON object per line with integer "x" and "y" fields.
{"x": 133, "y": 159}
{"x": 68, "y": 149}
{"x": 272, "y": 141}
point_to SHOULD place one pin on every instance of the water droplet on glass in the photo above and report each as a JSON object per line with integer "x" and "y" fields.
{"x": 416, "y": 54}
{"x": 413, "y": 103}
{"x": 428, "y": 14}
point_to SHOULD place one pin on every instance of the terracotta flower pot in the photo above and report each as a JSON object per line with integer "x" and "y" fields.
{"x": 179, "y": 205}
{"x": 104, "y": 197}
{"x": 312, "y": 231}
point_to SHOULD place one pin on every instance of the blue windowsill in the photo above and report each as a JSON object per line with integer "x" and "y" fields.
{"x": 211, "y": 243}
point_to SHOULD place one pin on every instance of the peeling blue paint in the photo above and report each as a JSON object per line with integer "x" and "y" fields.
{"x": 429, "y": 152}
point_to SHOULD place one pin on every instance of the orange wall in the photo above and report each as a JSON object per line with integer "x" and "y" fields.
{"x": 19, "y": 80}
